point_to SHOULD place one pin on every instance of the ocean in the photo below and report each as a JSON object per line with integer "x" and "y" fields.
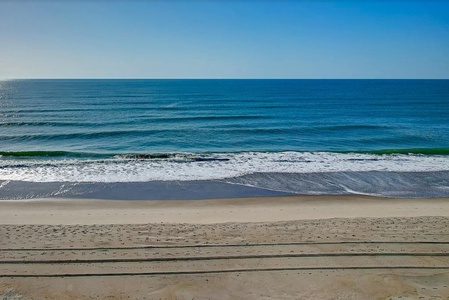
{"x": 196, "y": 139}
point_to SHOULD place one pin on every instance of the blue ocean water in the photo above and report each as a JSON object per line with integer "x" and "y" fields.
{"x": 235, "y": 131}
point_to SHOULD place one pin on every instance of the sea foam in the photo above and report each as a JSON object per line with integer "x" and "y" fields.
{"x": 187, "y": 167}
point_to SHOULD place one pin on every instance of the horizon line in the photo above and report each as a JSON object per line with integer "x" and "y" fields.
{"x": 202, "y": 78}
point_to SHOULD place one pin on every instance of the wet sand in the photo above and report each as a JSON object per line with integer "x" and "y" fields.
{"x": 299, "y": 247}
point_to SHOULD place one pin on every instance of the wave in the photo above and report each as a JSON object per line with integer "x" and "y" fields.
{"x": 49, "y": 154}
{"x": 204, "y": 155}
{"x": 86, "y": 155}
{"x": 89, "y": 135}
{"x": 61, "y": 124}
{"x": 210, "y": 118}
{"x": 352, "y": 127}
{"x": 50, "y": 166}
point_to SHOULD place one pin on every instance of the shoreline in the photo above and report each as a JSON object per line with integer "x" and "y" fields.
{"x": 426, "y": 184}
{"x": 240, "y": 210}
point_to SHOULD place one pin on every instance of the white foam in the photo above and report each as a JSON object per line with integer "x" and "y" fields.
{"x": 227, "y": 165}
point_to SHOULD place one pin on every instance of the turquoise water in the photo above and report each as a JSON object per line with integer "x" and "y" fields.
{"x": 166, "y": 116}
{"x": 187, "y": 130}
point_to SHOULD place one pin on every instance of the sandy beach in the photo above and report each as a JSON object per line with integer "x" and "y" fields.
{"x": 296, "y": 247}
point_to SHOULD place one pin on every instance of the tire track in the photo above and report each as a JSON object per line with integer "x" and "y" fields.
{"x": 222, "y": 245}
{"x": 221, "y": 271}
{"x": 206, "y": 258}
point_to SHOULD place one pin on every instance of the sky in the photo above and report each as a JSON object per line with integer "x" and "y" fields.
{"x": 224, "y": 39}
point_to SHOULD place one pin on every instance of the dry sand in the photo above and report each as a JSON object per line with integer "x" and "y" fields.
{"x": 299, "y": 247}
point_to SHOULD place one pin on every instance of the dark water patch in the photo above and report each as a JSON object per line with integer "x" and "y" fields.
{"x": 423, "y": 151}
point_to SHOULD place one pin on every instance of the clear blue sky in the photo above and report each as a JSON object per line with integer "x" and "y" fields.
{"x": 224, "y": 39}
